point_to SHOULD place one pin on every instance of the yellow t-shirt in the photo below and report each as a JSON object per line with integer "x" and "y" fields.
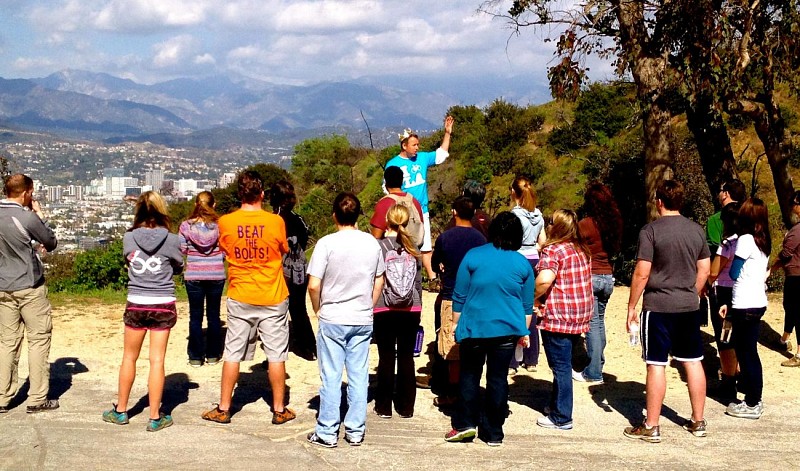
{"x": 254, "y": 243}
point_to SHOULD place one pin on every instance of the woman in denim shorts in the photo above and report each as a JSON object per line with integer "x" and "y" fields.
{"x": 153, "y": 257}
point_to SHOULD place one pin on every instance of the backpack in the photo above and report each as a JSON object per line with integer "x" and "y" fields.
{"x": 294, "y": 263}
{"x": 400, "y": 275}
{"x": 415, "y": 227}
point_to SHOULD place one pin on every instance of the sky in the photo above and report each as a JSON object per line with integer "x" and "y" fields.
{"x": 281, "y": 41}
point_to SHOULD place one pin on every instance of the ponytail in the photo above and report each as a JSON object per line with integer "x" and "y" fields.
{"x": 524, "y": 192}
{"x": 397, "y": 220}
{"x": 204, "y": 208}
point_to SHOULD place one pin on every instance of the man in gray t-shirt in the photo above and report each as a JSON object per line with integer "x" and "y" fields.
{"x": 671, "y": 269}
{"x": 345, "y": 278}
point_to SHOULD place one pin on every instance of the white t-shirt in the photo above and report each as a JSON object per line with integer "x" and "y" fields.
{"x": 749, "y": 290}
{"x": 347, "y": 262}
{"x": 726, "y": 249}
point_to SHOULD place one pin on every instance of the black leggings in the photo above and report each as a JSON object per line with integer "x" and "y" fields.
{"x": 791, "y": 303}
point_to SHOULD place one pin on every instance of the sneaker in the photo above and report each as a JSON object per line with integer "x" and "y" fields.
{"x": 512, "y": 371}
{"x": 743, "y": 411}
{"x": 793, "y": 362}
{"x": 114, "y": 417}
{"x": 698, "y": 429}
{"x": 212, "y": 361}
{"x": 445, "y": 401}
{"x": 314, "y": 439}
{"x": 642, "y": 432}
{"x": 283, "y": 416}
{"x": 578, "y": 376}
{"x": 354, "y": 441}
{"x": 546, "y": 422}
{"x": 195, "y": 363}
{"x": 48, "y": 405}
{"x": 163, "y": 421}
{"x": 530, "y": 368}
{"x": 383, "y": 415}
{"x": 217, "y": 415}
{"x": 494, "y": 443}
{"x": 466, "y": 435}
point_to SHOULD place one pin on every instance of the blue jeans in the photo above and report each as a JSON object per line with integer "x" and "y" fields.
{"x": 208, "y": 292}
{"x": 744, "y": 337}
{"x": 602, "y": 286}
{"x": 495, "y": 352}
{"x": 558, "y": 349}
{"x": 340, "y": 347}
{"x": 530, "y": 354}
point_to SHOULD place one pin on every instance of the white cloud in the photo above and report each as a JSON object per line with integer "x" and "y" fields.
{"x": 146, "y": 15}
{"x": 174, "y": 51}
{"x": 26, "y": 64}
{"x": 330, "y": 16}
{"x": 204, "y": 59}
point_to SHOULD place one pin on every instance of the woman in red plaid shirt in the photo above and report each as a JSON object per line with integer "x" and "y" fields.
{"x": 563, "y": 302}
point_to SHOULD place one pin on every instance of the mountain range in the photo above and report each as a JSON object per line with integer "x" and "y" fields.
{"x": 97, "y": 105}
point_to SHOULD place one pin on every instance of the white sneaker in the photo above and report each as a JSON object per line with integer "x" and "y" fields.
{"x": 578, "y": 376}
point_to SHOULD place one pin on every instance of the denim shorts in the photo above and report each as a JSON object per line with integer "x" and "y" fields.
{"x": 150, "y": 316}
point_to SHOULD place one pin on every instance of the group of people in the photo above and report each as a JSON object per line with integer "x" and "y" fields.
{"x": 506, "y": 282}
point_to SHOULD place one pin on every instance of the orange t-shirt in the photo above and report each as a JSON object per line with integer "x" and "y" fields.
{"x": 254, "y": 243}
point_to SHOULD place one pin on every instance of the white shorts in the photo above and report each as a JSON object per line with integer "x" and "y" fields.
{"x": 427, "y": 245}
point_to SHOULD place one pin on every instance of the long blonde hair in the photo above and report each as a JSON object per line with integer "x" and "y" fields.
{"x": 565, "y": 229}
{"x": 397, "y": 220}
{"x": 150, "y": 211}
{"x": 203, "y": 208}
{"x": 524, "y": 193}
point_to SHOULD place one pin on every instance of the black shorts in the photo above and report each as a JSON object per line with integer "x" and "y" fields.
{"x": 150, "y": 316}
{"x": 676, "y": 334}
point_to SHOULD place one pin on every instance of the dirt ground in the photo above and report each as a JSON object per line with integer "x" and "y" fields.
{"x": 87, "y": 348}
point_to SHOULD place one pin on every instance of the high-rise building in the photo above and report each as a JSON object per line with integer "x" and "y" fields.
{"x": 154, "y": 177}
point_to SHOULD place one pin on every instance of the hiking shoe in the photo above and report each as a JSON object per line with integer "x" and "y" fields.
{"x": 383, "y": 415}
{"x": 354, "y": 441}
{"x": 546, "y": 422}
{"x": 212, "y": 361}
{"x": 48, "y": 405}
{"x": 698, "y": 429}
{"x": 283, "y": 416}
{"x": 494, "y": 443}
{"x": 314, "y": 438}
{"x": 114, "y": 417}
{"x": 195, "y": 363}
{"x": 743, "y": 411}
{"x": 793, "y": 362}
{"x": 423, "y": 382}
{"x": 466, "y": 435}
{"x": 163, "y": 421}
{"x": 217, "y": 415}
{"x": 578, "y": 376}
{"x": 642, "y": 432}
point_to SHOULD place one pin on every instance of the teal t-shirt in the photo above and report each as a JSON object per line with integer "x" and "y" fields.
{"x": 415, "y": 175}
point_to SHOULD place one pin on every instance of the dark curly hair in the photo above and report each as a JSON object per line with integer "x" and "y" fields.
{"x": 505, "y": 231}
{"x": 599, "y": 204}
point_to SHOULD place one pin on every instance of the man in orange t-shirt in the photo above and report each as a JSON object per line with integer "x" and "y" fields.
{"x": 254, "y": 242}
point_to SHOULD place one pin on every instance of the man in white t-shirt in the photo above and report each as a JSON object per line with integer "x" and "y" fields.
{"x": 345, "y": 280}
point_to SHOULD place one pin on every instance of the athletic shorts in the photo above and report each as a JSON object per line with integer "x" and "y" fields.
{"x": 676, "y": 334}
{"x": 427, "y": 245}
{"x": 248, "y": 323}
{"x": 150, "y": 316}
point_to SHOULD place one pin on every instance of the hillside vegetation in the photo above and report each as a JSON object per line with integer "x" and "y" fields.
{"x": 559, "y": 145}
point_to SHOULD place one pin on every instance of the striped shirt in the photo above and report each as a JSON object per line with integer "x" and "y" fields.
{"x": 200, "y": 244}
{"x": 569, "y": 305}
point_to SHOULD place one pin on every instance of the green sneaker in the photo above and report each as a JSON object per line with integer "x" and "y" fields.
{"x": 162, "y": 422}
{"x": 114, "y": 417}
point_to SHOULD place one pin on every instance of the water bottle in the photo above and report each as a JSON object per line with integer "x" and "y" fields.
{"x": 419, "y": 341}
{"x": 518, "y": 353}
{"x": 634, "y": 334}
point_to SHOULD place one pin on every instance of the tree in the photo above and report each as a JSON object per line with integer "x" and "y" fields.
{"x": 640, "y": 41}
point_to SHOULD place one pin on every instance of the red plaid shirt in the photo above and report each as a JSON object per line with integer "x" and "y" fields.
{"x": 569, "y": 303}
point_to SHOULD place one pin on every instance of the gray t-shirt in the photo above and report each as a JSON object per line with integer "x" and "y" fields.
{"x": 673, "y": 244}
{"x": 347, "y": 262}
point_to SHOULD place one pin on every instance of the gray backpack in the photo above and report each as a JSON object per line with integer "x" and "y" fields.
{"x": 400, "y": 275}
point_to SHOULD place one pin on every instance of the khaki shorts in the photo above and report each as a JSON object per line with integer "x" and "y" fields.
{"x": 248, "y": 323}
{"x": 448, "y": 348}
